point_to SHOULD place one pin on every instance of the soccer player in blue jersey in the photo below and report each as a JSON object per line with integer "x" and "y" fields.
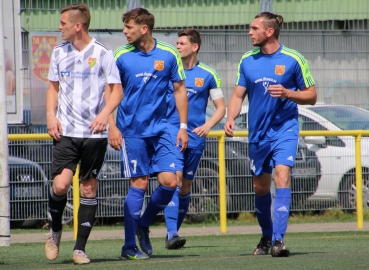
{"x": 201, "y": 82}
{"x": 147, "y": 67}
{"x": 276, "y": 79}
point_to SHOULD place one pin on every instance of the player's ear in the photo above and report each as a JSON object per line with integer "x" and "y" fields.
{"x": 270, "y": 32}
{"x": 195, "y": 47}
{"x": 144, "y": 29}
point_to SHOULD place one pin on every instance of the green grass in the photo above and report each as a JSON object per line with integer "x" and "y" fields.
{"x": 339, "y": 250}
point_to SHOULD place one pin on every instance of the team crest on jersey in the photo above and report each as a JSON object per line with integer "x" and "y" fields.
{"x": 159, "y": 65}
{"x": 91, "y": 62}
{"x": 279, "y": 70}
{"x": 199, "y": 82}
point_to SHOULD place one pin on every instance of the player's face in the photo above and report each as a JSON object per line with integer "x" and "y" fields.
{"x": 258, "y": 33}
{"x": 67, "y": 28}
{"x": 133, "y": 32}
{"x": 185, "y": 47}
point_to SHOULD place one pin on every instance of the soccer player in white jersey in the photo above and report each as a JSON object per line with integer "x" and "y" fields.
{"x": 81, "y": 71}
{"x": 201, "y": 83}
{"x": 147, "y": 67}
{"x": 276, "y": 79}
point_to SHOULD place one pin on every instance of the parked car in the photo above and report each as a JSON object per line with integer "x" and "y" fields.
{"x": 28, "y": 189}
{"x": 335, "y": 153}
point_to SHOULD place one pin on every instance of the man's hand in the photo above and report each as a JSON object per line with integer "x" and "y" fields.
{"x": 115, "y": 138}
{"x": 201, "y": 131}
{"x": 277, "y": 91}
{"x": 182, "y": 136}
{"x": 229, "y": 127}
{"x": 98, "y": 125}
{"x": 54, "y": 127}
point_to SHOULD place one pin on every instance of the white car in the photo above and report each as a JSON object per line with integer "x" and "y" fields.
{"x": 336, "y": 154}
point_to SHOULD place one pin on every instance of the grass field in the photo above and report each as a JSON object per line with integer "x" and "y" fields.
{"x": 340, "y": 250}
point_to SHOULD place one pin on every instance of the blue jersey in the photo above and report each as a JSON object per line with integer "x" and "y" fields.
{"x": 199, "y": 81}
{"x": 270, "y": 117}
{"x": 145, "y": 80}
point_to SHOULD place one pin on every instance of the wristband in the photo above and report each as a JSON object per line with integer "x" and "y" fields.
{"x": 183, "y": 125}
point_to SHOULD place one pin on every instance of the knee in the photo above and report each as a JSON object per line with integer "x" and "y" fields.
{"x": 88, "y": 189}
{"x": 60, "y": 188}
{"x": 261, "y": 190}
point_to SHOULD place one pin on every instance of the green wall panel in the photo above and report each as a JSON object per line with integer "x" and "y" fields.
{"x": 43, "y": 15}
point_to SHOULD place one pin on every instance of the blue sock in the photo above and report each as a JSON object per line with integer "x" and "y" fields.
{"x": 184, "y": 203}
{"x": 171, "y": 214}
{"x": 132, "y": 212}
{"x": 282, "y": 201}
{"x": 264, "y": 213}
{"x": 160, "y": 198}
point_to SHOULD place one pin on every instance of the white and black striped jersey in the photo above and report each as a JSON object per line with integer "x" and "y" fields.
{"x": 82, "y": 77}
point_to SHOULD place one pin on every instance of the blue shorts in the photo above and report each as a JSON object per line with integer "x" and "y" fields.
{"x": 188, "y": 161}
{"x": 143, "y": 156}
{"x": 265, "y": 155}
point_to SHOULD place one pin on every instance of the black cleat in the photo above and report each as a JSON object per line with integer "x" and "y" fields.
{"x": 144, "y": 240}
{"x": 175, "y": 243}
{"x": 279, "y": 249}
{"x": 263, "y": 247}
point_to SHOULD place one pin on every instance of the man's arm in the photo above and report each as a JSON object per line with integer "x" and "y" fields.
{"x": 302, "y": 97}
{"x": 180, "y": 95}
{"x": 113, "y": 96}
{"x": 234, "y": 108}
{"x": 115, "y": 136}
{"x": 220, "y": 110}
{"x": 53, "y": 124}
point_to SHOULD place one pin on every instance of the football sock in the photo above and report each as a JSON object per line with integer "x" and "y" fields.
{"x": 86, "y": 218}
{"x": 160, "y": 198}
{"x": 282, "y": 201}
{"x": 171, "y": 214}
{"x": 264, "y": 214}
{"x": 56, "y": 209}
{"x": 132, "y": 212}
{"x": 184, "y": 203}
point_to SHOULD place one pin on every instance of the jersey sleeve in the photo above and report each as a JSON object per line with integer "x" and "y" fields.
{"x": 216, "y": 82}
{"x": 53, "y": 69}
{"x": 241, "y": 80}
{"x": 304, "y": 79}
{"x": 110, "y": 68}
{"x": 177, "y": 71}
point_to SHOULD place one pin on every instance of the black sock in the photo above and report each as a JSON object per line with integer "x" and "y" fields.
{"x": 56, "y": 209}
{"x": 86, "y": 218}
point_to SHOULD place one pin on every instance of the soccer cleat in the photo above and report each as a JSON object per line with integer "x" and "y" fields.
{"x": 133, "y": 253}
{"x": 175, "y": 243}
{"x": 279, "y": 249}
{"x": 80, "y": 257}
{"x": 52, "y": 245}
{"x": 263, "y": 247}
{"x": 144, "y": 240}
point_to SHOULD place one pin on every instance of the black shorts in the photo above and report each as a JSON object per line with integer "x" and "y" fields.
{"x": 69, "y": 151}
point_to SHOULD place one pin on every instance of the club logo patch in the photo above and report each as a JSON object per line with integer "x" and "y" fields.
{"x": 199, "y": 82}
{"x": 279, "y": 70}
{"x": 92, "y": 62}
{"x": 159, "y": 65}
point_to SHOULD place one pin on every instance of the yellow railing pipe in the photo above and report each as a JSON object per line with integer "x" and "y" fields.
{"x": 222, "y": 175}
{"x": 222, "y": 179}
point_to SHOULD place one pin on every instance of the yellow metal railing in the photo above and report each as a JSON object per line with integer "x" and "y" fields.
{"x": 222, "y": 175}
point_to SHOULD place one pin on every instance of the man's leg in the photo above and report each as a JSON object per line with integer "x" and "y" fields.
{"x": 57, "y": 202}
{"x": 282, "y": 201}
{"x": 160, "y": 198}
{"x": 263, "y": 202}
{"x": 86, "y": 218}
{"x": 171, "y": 215}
